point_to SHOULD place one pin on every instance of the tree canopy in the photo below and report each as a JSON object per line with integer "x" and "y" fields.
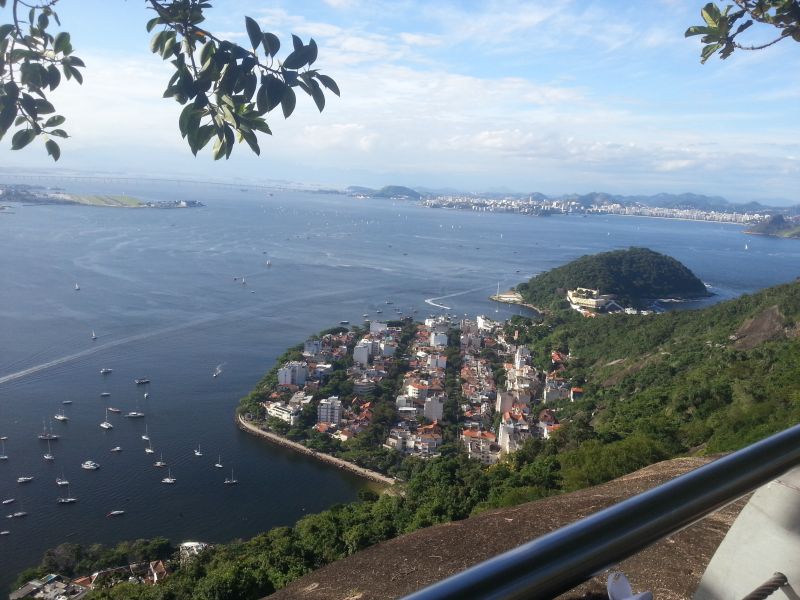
{"x": 226, "y": 89}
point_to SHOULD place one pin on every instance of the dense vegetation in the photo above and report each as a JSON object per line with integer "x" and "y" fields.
{"x": 633, "y": 275}
{"x": 656, "y": 386}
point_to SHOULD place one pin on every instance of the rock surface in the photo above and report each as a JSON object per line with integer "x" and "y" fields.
{"x": 671, "y": 568}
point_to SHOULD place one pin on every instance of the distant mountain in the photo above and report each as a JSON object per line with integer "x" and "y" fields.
{"x": 777, "y": 226}
{"x": 632, "y": 275}
{"x": 389, "y": 191}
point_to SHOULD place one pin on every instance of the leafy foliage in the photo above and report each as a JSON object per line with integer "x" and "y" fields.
{"x": 632, "y": 275}
{"x": 226, "y": 89}
{"x": 723, "y": 25}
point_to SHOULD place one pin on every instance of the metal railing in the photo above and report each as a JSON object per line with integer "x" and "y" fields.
{"x": 562, "y": 559}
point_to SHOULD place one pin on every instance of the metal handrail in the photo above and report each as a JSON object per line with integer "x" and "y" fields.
{"x": 562, "y": 559}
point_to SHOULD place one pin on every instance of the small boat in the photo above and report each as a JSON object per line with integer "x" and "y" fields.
{"x": 197, "y": 451}
{"x": 17, "y": 514}
{"x": 231, "y": 480}
{"x": 61, "y": 417}
{"x": 25, "y": 479}
{"x": 145, "y": 436}
{"x": 379, "y": 311}
{"x": 90, "y": 465}
{"x": 68, "y": 499}
{"x": 115, "y": 513}
{"x": 61, "y": 480}
{"x": 77, "y": 287}
{"x": 105, "y": 424}
{"x": 344, "y": 322}
{"x": 217, "y": 371}
{"x": 105, "y": 394}
{"x": 94, "y": 336}
{"x": 134, "y": 414}
{"x": 141, "y": 381}
{"x": 5, "y": 532}
{"x": 146, "y": 395}
{"x": 365, "y": 315}
{"x": 66, "y": 402}
{"x": 116, "y": 449}
{"x": 149, "y": 449}
{"x": 114, "y": 410}
{"x": 160, "y": 462}
{"x": 169, "y": 478}
{"x": 8, "y": 501}
{"x": 218, "y": 464}
{"x": 3, "y": 450}
{"x": 105, "y": 370}
{"x": 49, "y": 454}
{"x": 47, "y": 435}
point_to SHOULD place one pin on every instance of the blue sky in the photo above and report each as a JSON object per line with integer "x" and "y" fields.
{"x": 556, "y": 96}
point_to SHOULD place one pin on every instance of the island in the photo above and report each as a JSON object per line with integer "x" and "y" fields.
{"x": 615, "y": 280}
{"x": 37, "y": 195}
{"x": 777, "y": 226}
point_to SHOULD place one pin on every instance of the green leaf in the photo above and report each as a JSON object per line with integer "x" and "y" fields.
{"x": 53, "y": 149}
{"x": 54, "y": 121}
{"x": 697, "y": 30}
{"x": 274, "y": 89}
{"x": 59, "y": 133}
{"x": 253, "y": 32}
{"x": 61, "y": 42}
{"x": 74, "y": 72}
{"x": 708, "y": 51}
{"x": 152, "y": 23}
{"x": 288, "y": 102}
{"x": 219, "y": 148}
{"x": 296, "y": 59}
{"x": 43, "y": 107}
{"x": 5, "y": 30}
{"x": 183, "y": 120}
{"x": 711, "y": 14}
{"x": 22, "y": 138}
{"x": 297, "y": 43}
{"x": 328, "y": 83}
{"x": 53, "y": 76}
{"x": 271, "y": 44}
{"x": 317, "y": 95}
{"x": 311, "y": 51}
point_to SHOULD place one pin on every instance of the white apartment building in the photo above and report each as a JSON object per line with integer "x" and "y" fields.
{"x": 293, "y": 373}
{"x": 329, "y": 410}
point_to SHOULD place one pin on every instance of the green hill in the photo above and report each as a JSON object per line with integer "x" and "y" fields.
{"x": 632, "y": 275}
{"x": 777, "y": 226}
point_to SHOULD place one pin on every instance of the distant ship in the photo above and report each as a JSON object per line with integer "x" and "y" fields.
{"x": 25, "y": 479}
{"x": 105, "y": 370}
{"x": 141, "y": 381}
{"x": 115, "y": 513}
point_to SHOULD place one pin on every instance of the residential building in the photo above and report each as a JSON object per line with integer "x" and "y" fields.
{"x": 293, "y": 373}
{"x": 329, "y": 410}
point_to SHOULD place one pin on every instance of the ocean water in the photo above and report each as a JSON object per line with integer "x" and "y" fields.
{"x": 162, "y": 290}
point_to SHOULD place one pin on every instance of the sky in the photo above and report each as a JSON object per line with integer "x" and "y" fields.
{"x": 552, "y": 96}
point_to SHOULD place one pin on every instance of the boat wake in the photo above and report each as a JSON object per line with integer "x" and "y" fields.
{"x": 433, "y": 301}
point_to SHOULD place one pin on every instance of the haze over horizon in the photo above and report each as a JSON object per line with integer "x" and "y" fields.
{"x": 557, "y": 97}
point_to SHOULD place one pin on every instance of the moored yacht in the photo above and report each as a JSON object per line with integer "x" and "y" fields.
{"x": 105, "y": 370}
{"x": 134, "y": 414}
{"x": 105, "y": 424}
{"x": 169, "y": 478}
{"x": 197, "y": 451}
{"x": 160, "y": 462}
{"x": 115, "y": 513}
{"x": 231, "y": 480}
{"x": 25, "y": 479}
{"x": 61, "y": 417}
{"x": 90, "y": 465}
{"x": 141, "y": 381}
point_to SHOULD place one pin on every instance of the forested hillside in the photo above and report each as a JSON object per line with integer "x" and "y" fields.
{"x": 633, "y": 275}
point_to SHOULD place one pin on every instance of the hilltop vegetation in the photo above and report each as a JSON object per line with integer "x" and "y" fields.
{"x": 777, "y": 226}
{"x": 632, "y": 275}
{"x": 389, "y": 191}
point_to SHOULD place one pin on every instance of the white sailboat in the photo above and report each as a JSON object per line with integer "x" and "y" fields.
{"x": 49, "y": 454}
{"x": 68, "y": 499}
{"x": 145, "y": 436}
{"x": 105, "y": 424}
{"x": 61, "y": 416}
{"x": 197, "y": 451}
{"x": 94, "y": 336}
{"x": 77, "y": 287}
{"x": 218, "y": 464}
{"x": 149, "y": 449}
{"x": 3, "y": 450}
{"x": 62, "y": 480}
{"x": 231, "y": 480}
{"x": 169, "y": 478}
{"x": 160, "y": 462}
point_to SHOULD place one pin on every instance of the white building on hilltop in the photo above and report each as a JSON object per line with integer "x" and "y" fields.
{"x": 329, "y": 410}
{"x": 293, "y": 373}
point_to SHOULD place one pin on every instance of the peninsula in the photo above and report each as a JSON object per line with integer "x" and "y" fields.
{"x": 777, "y": 226}
{"x": 27, "y": 194}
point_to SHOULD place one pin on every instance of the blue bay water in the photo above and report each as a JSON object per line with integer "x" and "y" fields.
{"x": 158, "y": 289}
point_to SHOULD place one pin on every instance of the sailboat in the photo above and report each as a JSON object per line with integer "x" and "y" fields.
{"x": 169, "y": 478}
{"x": 105, "y": 424}
{"x": 217, "y": 370}
{"x": 149, "y": 449}
{"x": 62, "y": 480}
{"x": 230, "y": 480}
{"x": 77, "y": 287}
{"x": 49, "y": 454}
{"x": 47, "y": 435}
{"x": 61, "y": 416}
{"x": 218, "y": 464}
{"x": 94, "y": 336}
{"x": 197, "y": 451}
{"x": 145, "y": 436}
{"x": 160, "y": 462}
{"x": 68, "y": 499}
{"x": 3, "y": 450}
